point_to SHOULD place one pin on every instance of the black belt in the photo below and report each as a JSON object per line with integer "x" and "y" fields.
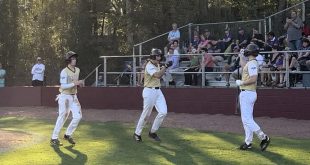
{"x": 154, "y": 87}
{"x": 246, "y": 90}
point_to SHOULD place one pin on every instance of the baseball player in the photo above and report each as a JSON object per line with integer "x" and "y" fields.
{"x": 248, "y": 97}
{"x": 152, "y": 95}
{"x": 67, "y": 100}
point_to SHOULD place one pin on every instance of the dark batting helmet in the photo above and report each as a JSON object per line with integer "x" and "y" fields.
{"x": 69, "y": 55}
{"x": 251, "y": 49}
{"x": 156, "y": 52}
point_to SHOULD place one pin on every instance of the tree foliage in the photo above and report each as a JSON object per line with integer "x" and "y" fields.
{"x": 49, "y": 28}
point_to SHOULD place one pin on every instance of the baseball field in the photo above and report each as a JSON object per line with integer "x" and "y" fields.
{"x": 105, "y": 137}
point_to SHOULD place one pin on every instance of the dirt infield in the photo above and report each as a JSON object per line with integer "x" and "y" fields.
{"x": 219, "y": 123}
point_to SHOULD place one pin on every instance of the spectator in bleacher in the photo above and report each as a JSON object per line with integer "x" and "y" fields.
{"x": 203, "y": 43}
{"x": 175, "y": 46}
{"x": 242, "y": 39}
{"x": 271, "y": 41}
{"x": 195, "y": 42}
{"x": 293, "y": 26}
{"x": 207, "y": 35}
{"x": 258, "y": 38}
{"x": 213, "y": 48}
{"x": 208, "y": 62}
{"x": 303, "y": 57}
{"x": 174, "y": 34}
{"x": 191, "y": 78}
{"x": 226, "y": 41}
{"x": 232, "y": 65}
{"x": 175, "y": 58}
{"x": 2, "y": 76}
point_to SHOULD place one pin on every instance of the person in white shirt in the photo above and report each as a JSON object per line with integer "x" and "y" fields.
{"x": 174, "y": 34}
{"x": 37, "y": 72}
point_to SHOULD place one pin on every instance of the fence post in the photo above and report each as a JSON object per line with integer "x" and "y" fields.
{"x": 189, "y": 32}
{"x": 260, "y": 27}
{"x": 265, "y": 27}
{"x": 270, "y": 28}
{"x": 303, "y": 10}
{"x": 287, "y": 72}
{"x": 134, "y": 70}
{"x": 105, "y": 71}
{"x": 97, "y": 76}
{"x": 203, "y": 76}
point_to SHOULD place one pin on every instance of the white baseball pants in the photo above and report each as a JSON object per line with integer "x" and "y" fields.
{"x": 152, "y": 97}
{"x": 247, "y": 100}
{"x": 66, "y": 104}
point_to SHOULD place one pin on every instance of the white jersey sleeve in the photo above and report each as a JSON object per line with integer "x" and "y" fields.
{"x": 150, "y": 69}
{"x": 253, "y": 68}
{"x": 64, "y": 81}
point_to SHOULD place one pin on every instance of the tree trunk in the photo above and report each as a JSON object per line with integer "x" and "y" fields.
{"x": 129, "y": 21}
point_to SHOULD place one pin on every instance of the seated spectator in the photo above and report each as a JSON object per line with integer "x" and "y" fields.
{"x": 304, "y": 56}
{"x": 258, "y": 38}
{"x": 208, "y": 62}
{"x": 175, "y": 58}
{"x": 226, "y": 41}
{"x": 272, "y": 41}
{"x": 175, "y": 46}
{"x": 203, "y": 43}
{"x": 191, "y": 78}
{"x": 232, "y": 65}
{"x": 305, "y": 29}
{"x": 174, "y": 34}
{"x": 276, "y": 63}
{"x": 242, "y": 39}
{"x": 2, "y": 76}
{"x": 207, "y": 35}
{"x": 213, "y": 49}
{"x": 194, "y": 44}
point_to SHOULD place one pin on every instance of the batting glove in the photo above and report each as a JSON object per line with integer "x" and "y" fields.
{"x": 239, "y": 82}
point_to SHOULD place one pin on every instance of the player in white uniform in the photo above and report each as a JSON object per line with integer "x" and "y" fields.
{"x": 152, "y": 95}
{"x": 248, "y": 97}
{"x": 67, "y": 100}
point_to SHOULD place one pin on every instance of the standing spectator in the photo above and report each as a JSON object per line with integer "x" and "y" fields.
{"x": 174, "y": 34}
{"x": 2, "y": 76}
{"x": 242, "y": 39}
{"x": 38, "y": 73}
{"x": 293, "y": 26}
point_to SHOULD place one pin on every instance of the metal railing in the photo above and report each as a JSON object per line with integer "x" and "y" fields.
{"x": 133, "y": 73}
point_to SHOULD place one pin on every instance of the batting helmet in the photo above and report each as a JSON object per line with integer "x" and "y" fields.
{"x": 251, "y": 49}
{"x": 156, "y": 52}
{"x": 69, "y": 55}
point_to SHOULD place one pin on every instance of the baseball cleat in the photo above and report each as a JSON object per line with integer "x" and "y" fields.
{"x": 55, "y": 142}
{"x": 137, "y": 137}
{"x": 245, "y": 146}
{"x": 264, "y": 144}
{"x": 70, "y": 139}
{"x": 154, "y": 136}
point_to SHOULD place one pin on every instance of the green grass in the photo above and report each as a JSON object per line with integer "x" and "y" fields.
{"x": 111, "y": 143}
